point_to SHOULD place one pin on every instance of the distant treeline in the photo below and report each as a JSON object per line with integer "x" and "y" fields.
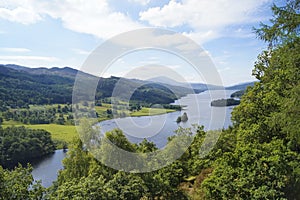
{"x": 238, "y": 94}
{"x": 40, "y": 115}
{"x": 225, "y": 102}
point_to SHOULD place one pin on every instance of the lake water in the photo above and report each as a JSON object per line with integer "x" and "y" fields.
{"x": 47, "y": 168}
{"x": 158, "y": 128}
{"x": 155, "y": 128}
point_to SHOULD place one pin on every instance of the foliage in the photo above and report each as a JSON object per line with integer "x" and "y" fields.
{"x": 253, "y": 171}
{"x": 284, "y": 26}
{"x": 20, "y": 88}
{"x": 265, "y": 162}
{"x": 178, "y": 120}
{"x": 82, "y": 172}
{"x": 225, "y": 102}
{"x": 15, "y": 184}
{"x": 237, "y": 94}
{"x": 48, "y": 115}
{"x": 21, "y": 145}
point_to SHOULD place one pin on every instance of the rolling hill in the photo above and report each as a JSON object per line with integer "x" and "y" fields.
{"x": 20, "y": 86}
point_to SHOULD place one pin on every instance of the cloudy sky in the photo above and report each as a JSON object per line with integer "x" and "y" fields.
{"x": 58, "y": 33}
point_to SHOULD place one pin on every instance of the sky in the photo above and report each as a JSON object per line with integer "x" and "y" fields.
{"x": 59, "y": 33}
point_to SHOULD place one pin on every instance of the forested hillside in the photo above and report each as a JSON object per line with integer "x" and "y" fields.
{"x": 21, "y": 86}
{"x": 18, "y": 89}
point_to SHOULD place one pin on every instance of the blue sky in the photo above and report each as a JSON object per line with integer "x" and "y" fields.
{"x": 58, "y": 33}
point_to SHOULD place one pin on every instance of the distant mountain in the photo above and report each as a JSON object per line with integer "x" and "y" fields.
{"x": 15, "y": 67}
{"x": 240, "y": 86}
{"x": 202, "y": 86}
{"x": 166, "y": 80}
{"x": 195, "y": 86}
{"x": 64, "y": 72}
{"x": 20, "y": 86}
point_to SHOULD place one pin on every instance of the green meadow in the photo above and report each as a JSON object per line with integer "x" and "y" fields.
{"x": 66, "y": 133}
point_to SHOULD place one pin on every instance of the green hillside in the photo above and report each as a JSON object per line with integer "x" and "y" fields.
{"x": 21, "y": 86}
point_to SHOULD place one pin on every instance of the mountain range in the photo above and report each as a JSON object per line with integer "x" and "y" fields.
{"x": 21, "y": 86}
{"x": 200, "y": 86}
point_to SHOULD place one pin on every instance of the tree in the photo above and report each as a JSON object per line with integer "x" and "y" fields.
{"x": 127, "y": 186}
{"x": 254, "y": 171}
{"x": 90, "y": 187}
{"x": 284, "y": 26}
{"x": 76, "y": 164}
{"x": 15, "y": 184}
{"x": 145, "y": 147}
{"x": 22, "y": 145}
{"x": 113, "y": 148}
{"x": 266, "y": 123}
{"x": 178, "y": 120}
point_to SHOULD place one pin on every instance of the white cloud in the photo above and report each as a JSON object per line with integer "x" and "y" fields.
{"x": 206, "y": 18}
{"x": 202, "y": 36}
{"x": 25, "y": 58}
{"x": 141, "y": 2}
{"x": 31, "y": 61}
{"x": 15, "y": 50}
{"x": 81, "y": 52}
{"x": 205, "y": 53}
{"x": 20, "y": 14}
{"x": 92, "y": 17}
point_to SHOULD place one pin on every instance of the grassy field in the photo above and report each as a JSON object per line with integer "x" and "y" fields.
{"x": 150, "y": 111}
{"x": 58, "y": 132}
{"x": 66, "y": 133}
{"x": 101, "y": 110}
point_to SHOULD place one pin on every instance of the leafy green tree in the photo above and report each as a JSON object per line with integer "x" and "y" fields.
{"x": 22, "y": 145}
{"x": 284, "y": 26}
{"x": 90, "y": 187}
{"x": 127, "y": 186}
{"x": 76, "y": 164}
{"x": 264, "y": 162}
{"x": 253, "y": 171}
{"x": 15, "y": 184}
{"x": 145, "y": 147}
{"x": 112, "y": 150}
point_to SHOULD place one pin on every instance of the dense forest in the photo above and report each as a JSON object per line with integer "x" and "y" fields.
{"x": 257, "y": 158}
{"x": 225, "y": 102}
{"x": 21, "y": 145}
{"x": 40, "y": 115}
{"x": 238, "y": 94}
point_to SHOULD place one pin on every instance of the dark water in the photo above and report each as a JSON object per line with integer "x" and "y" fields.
{"x": 155, "y": 128}
{"x": 46, "y": 169}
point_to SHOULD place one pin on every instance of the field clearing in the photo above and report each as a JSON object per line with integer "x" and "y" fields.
{"x": 102, "y": 108}
{"x": 151, "y": 111}
{"x": 58, "y": 132}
